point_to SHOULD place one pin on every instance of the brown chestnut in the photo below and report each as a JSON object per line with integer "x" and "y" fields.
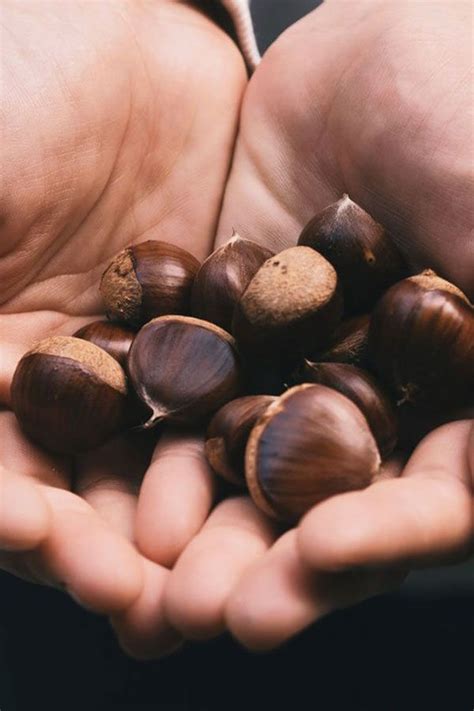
{"x": 69, "y": 395}
{"x": 421, "y": 342}
{"x": 183, "y": 369}
{"x": 291, "y": 305}
{"x": 364, "y": 391}
{"x": 114, "y": 338}
{"x": 148, "y": 279}
{"x": 363, "y": 254}
{"x": 228, "y": 433}
{"x": 348, "y": 343}
{"x": 310, "y": 444}
{"x": 223, "y": 277}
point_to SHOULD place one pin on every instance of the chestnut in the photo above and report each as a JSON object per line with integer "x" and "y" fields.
{"x": 228, "y": 433}
{"x": 363, "y": 254}
{"x": 223, "y": 277}
{"x": 421, "y": 343}
{"x": 310, "y": 444}
{"x": 348, "y": 343}
{"x": 147, "y": 280}
{"x": 183, "y": 369}
{"x": 364, "y": 391}
{"x": 69, "y": 395}
{"x": 291, "y": 305}
{"x": 114, "y": 338}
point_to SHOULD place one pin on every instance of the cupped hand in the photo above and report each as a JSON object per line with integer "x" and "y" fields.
{"x": 370, "y": 99}
{"x": 118, "y": 125}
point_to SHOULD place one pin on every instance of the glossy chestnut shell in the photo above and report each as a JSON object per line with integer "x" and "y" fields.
{"x": 364, "y": 255}
{"x": 69, "y": 395}
{"x": 421, "y": 343}
{"x": 310, "y": 444}
{"x": 183, "y": 369}
{"x": 223, "y": 277}
{"x": 147, "y": 280}
{"x": 228, "y": 432}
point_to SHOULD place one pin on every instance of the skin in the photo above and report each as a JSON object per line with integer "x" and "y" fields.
{"x": 401, "y": 150}
{"x": 345, "y": 101}
{"x": 106, "y": 140}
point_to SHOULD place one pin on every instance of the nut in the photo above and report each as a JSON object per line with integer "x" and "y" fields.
{"x": 291, "y": 305}
{"x": 363, "y": 254}
{"x": 349, "y": 343}
{"x": 223, "y": 277}
{"x": 69, "y": 395}
{"x": 364, "y": 391}
{"x": 113, "y": 338}
{"x": 421, "y": 343}
{"x": 147, "y": 280}
{"x": 183, "y": 369}
{"x": 228, "y": 433}
{"x": 310, "y": 444}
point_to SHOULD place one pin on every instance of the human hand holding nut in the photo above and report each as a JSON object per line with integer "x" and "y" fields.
{"x": 315, "y": 441}
{"x": 203, "y": 593}
{"x": 89, "y": 167}
{"x": 323, "y": 118}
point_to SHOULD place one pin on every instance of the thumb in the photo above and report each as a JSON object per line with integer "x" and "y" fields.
{"x": 425, "y": 517}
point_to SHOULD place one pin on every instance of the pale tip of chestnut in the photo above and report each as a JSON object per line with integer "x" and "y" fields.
{"x": 147, "y": 280}
{"x": 121, "y": 289}
{"x": 430, "y": 281}
{"x": 92, "y": 357}
{"x": 291, "y": 304}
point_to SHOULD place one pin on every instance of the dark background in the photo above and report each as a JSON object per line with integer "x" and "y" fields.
{"x": 413, "y": 650}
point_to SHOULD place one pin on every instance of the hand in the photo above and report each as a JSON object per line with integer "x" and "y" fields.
{"x": 367, "y": 98}
{"x": 118, "y": 126}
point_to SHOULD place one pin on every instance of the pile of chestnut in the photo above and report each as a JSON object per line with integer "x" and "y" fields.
{"x": 331, "y": 341}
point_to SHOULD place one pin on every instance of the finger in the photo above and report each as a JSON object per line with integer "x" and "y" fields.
{"x": 25, "y": 516}
{"x": 424, "y": 517}
{"x": 109, "y": 478}
{"x": 278, "y": 596}
{"x": 100, "y": 568}
{"x": 143, "y": 630}
{"x": 234, "y": 536}
{"x": 21, "y": 455}
{"x": 175, "y": 498}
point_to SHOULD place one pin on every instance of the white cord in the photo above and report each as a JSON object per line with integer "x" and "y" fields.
{"x": 240, "y": 13}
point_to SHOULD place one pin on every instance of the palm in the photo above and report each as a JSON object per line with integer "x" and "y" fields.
{"x": 348, "y": 100}
{"x": 109, "y": 143}
{"x": 110, "y": 148}
{"x": 299, "y": 148}
{"x": 368, "y": 99}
